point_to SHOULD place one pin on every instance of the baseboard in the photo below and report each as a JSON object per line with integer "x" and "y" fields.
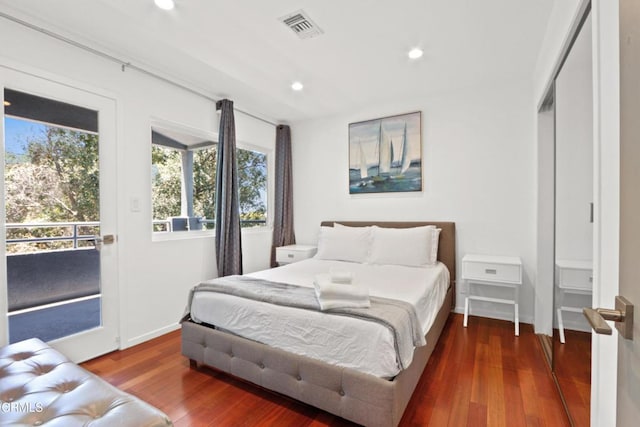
{"x": 149, "y": 336}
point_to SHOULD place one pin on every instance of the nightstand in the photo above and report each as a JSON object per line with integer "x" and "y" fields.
{"x": 293, "y": 253}
{"x": 489, "y": 270}
{"x": 572, "y": 277}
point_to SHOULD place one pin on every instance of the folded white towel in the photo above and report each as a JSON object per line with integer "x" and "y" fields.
{"x": 337, "y": 295}
{"x": 341, "y": 276}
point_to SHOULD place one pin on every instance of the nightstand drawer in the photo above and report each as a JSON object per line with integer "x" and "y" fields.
{"x": 575, "y": 278}
{"x": 294, "y": 253}
{"x": 491, "y": 272}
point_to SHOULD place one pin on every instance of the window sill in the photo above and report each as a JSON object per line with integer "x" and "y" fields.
{"x": 163, "y": 236}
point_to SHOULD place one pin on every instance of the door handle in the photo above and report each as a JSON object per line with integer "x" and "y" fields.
{"x": 622, "y": 316}
{"x": 108, "y": 239}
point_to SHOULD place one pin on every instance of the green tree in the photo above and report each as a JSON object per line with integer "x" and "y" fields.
{"x": 55, "y": 180}
{"x": 165, "y": 182}
{"x": 73, "y": 158}
{"x": 252, "y": 178}
{"x": 204, "y": 182}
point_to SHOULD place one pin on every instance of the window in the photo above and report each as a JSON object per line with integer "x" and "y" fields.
{"x": 183, "y": 182}
{"x": 252, "y": 182}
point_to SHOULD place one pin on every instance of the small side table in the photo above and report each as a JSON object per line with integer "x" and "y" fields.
{"x": 489, "y": 270}
{"x": 573, "y": 277}
{"x": 293, "y": 253}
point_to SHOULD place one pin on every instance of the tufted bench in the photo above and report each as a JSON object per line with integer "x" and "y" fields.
{"x": 40, "y": 386}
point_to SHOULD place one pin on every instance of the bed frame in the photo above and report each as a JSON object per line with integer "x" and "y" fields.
{"x": 350, "y": 394}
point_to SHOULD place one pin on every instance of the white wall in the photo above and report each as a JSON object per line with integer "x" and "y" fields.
{"x": 478, "y": 162}
{"x": 154, "y": 277}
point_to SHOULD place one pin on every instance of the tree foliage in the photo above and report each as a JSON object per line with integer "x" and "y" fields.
{"x": 252, "y": 178}
{"x": 165, "y": 182}
{"x": 55, "y": 180}
{"x": 73, "y": 158}
{"x": 204, "y": 182}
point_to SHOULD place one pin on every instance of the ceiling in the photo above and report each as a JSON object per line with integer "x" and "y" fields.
{"x": 240, "y": 49}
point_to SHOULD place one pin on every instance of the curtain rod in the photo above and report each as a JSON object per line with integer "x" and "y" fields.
{"x": 123, "y": 64}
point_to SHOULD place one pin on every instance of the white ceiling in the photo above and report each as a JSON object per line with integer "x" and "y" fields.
{"x": 240, "y": 49}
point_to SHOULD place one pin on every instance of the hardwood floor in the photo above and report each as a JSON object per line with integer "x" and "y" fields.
{"x": 572, "y": 362}
{"x": 477, "y": 376}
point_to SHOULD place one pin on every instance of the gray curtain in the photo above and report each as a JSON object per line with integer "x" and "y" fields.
{"x": 228, "y": 240}
{"x": 283, "y": 215}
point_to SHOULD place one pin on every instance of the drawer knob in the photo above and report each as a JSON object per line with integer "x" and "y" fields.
{"x": 490, "y": 271}
{"x": 290, "y": 255}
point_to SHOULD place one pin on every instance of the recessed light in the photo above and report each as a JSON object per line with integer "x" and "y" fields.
{"x": 165, "y": 4}
{"x": 7, "y": 103}
{"x": 297, "y": 86}
{"x": 415, "y": 53}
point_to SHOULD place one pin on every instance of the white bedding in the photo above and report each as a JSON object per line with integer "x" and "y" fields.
{"x": 344, "y": 341}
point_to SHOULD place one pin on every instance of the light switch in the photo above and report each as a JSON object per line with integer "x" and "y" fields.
{"x": 135, "y": 204}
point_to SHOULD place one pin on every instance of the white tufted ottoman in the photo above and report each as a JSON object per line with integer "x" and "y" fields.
{"x": 40, "y": 386}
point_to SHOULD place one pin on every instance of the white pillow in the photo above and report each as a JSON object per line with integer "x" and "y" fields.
{"x": 344, "y": 243}
{"x": 435, "y": 239}
{"x": 415, "y": 247}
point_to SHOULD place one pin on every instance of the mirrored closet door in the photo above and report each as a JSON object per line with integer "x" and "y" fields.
{"x": 573, "y": 223}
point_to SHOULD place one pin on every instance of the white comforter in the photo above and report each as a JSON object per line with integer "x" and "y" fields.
{"x": 353, "y": 343}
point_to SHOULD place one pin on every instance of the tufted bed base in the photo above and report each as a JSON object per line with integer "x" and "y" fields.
{"x": 347, "y": 393}
{"x": 358, "y": 397}
{"x": 40, "y": 386}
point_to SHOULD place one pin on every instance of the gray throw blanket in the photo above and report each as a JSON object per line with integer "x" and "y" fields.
{"x": 398, "y": 316}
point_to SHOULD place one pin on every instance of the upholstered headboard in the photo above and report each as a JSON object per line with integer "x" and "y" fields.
{"x": 446, "y": 245}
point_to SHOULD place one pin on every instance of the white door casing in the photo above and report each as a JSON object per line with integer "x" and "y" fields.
{"x": 88, "y": 344}
{"x": 606, "y": 115}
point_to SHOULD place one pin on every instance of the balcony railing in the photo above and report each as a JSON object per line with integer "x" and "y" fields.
{"x": 75, "y": 237}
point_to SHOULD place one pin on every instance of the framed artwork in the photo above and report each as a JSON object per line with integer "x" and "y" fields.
{"x": 385, "y": 155}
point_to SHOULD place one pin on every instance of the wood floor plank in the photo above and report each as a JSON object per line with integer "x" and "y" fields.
{"x": 477, "y": 415}
{"x": 480, "y": 384}
{"x": 513, "y": 404}
{"x": 477, "y": 376}
{"x": 459, "y": 406}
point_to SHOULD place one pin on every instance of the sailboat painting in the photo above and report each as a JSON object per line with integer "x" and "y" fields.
{"x": 385, "y": 155}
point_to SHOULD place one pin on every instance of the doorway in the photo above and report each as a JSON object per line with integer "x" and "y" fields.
{"x": 59, "y": 190}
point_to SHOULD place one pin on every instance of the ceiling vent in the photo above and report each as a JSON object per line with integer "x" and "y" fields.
{"x": 301, "y": 24}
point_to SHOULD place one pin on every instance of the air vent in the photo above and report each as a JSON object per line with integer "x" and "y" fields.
{"x": 301, "y": 24}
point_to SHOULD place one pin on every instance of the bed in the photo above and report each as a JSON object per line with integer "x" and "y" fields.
{"x": 368, "y": 398}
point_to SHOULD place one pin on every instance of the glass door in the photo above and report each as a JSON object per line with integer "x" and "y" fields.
{"x": 59, "y": 198}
